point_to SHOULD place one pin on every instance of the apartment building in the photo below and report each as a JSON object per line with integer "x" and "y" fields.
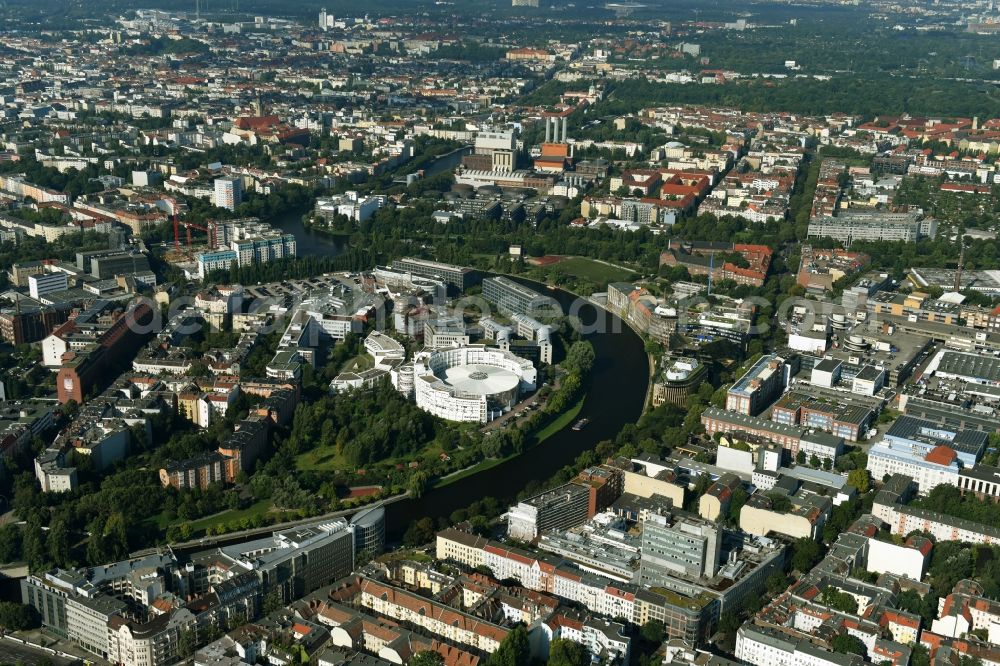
{"x": 228, "y": 193}
{"x": 890, "y": 507}
{"x": 758, "y": 387}
{"x": 762, "y": 646}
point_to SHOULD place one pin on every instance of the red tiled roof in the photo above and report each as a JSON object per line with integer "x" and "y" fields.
{"x": 941, "y": 455}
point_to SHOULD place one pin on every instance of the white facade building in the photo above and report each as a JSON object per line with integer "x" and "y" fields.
{"x": 928, "y": 470}
{"x": 909, "y": 559}
{"x": 383, "y": 349}
{"x": 46, "y": 283}
{"x": 470, "y": 383}
{"x": 350, "y": 204}
{"x": 758, "y": 646}
{"x": 228, "y": 193}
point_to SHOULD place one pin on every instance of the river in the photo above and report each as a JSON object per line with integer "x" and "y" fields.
{"x": 615, "y": 397}
{"x": 308, "y": 242}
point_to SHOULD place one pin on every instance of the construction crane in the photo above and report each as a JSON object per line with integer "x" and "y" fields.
{"x": 173, "y": 210}
{"x": 210, "y": 229}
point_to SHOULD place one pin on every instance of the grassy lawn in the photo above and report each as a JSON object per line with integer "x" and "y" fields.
{"x": 258, "y": 508}
{"x": 322, "y": 458}
{"x": 475, "y": 469}
{"x": 328, "y": 459}
{"x": 199, "y": 526}
{"x": 561, "y": 422}
{"x": 359, "y": 364}
{"x": 588, "y": 269}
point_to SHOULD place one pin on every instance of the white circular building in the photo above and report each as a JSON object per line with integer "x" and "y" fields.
{"x": 471, "y": 382}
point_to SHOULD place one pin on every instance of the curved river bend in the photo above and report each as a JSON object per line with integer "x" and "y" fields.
{"x": 615, "y": 397}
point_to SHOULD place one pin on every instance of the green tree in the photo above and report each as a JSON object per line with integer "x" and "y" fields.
{"x": 848, "y": 644}
{"x": 729, "y": 623}
{"x": 776, "y": 583}
{"x": 514, "y": 650}
{"x": 580, "y": 357}
{"x": 919, "y": 656}
{"x": 736, "y": 504}
{"x": 419, "y": 532}
{"x": 652, "y": 632}
{"x": 115, "y": 536}
{"x": 805, "y": 553}
{"x": 838, "y": 600}
{"x": 10, "y": 543}
{"x": 924, "y": 606}
{"x": 57, "y": 541}
{"x": 779, "y": 502}
{"x": 34, "y": 544}
{"x": 859, "y": 479}
{"x": 18, "y": 617}
{"x": 427, "y": 658}
{"x": 272, "y": 602}
{"x": 417, "y": 483}
{"x": 563, "y": 652}
{"x": 187, "y": 642}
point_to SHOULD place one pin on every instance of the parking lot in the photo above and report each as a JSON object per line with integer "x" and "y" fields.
{"x": 290, "y": 289}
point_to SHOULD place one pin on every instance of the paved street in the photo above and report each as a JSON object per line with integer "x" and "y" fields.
{"x": 12, "y": 653}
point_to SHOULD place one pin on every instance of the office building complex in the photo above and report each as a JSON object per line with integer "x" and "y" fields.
{"x": 467, "y": 383}
{"x": 559, "y": 508}
{"x": 31, "y": 323}
{"x": 456, "y": 276}
{"x": 842, "y": 419}
{"x": 929, "y": 453}
{"x": 46, "y": 283}
{"x": 512, "y": 298}
{"x": 688, "y": 547}
{"x": 873, "y": 226}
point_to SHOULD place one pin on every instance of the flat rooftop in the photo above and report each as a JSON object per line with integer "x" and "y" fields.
{"x": 973, "y": 366}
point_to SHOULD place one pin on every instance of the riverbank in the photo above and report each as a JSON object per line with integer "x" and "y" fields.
{"x": 326, "y": 231}
{"x": 650, "y": 360}
{"x": 545, "y": 433}
{"x": 616, "y": 390}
